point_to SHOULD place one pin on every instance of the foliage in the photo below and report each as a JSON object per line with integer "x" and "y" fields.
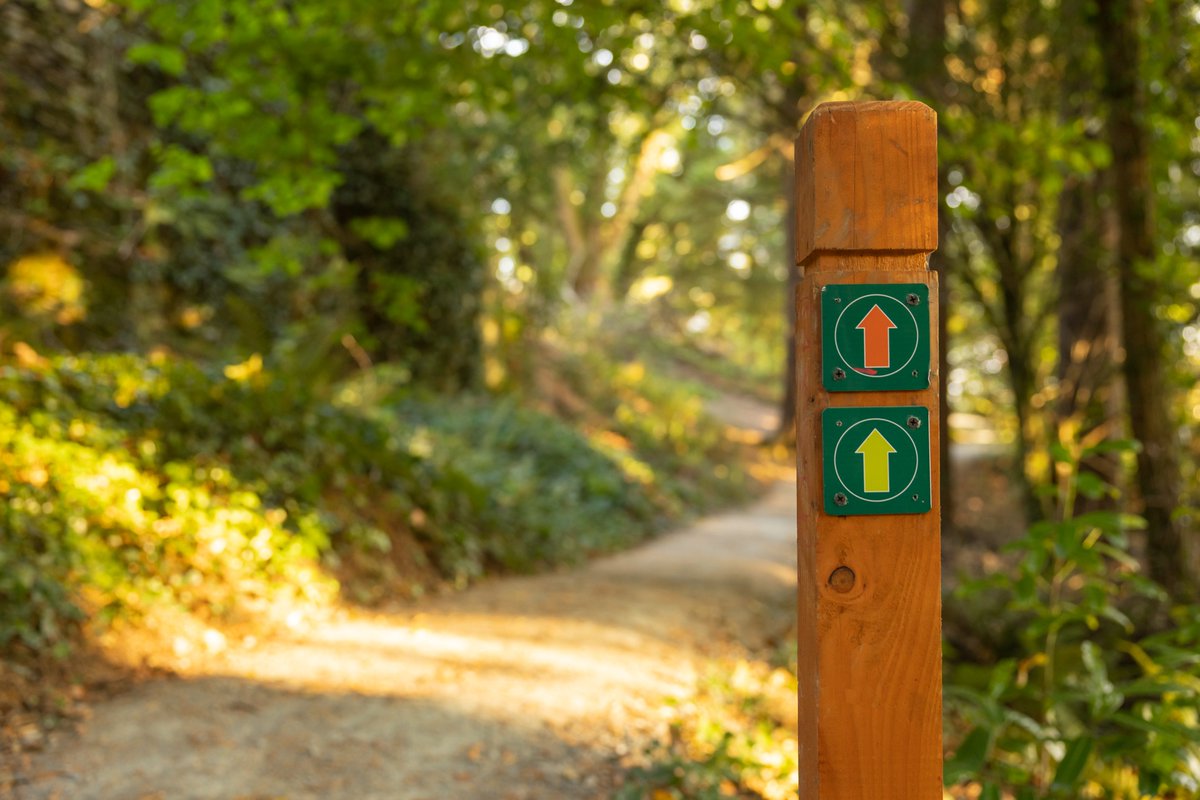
{"x": 735, "y": 738}
{"x": 651, "y": 423}
{"x": 528, "y": 491}
{"x": 419, "y": 194}
{"x": 418, "y": 272}
{"x": 107, "y": 507}
{"x": 133, "y": 481}
{"x": 1087, "y": 707}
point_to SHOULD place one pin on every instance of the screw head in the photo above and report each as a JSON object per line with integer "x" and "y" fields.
{"x": 840, "y": 499}
{"x": 838, "y": 423}
{"x": 839, "y": 374}
{"x": 913, "y": 299}
{"x": 915, "y": 373}
{"x": 837, "y": 300}
{"x": 914, "y": 423}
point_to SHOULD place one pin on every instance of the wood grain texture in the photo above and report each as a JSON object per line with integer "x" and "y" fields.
{"x": 866, "y": 179}
{"x": 869, "y": 652}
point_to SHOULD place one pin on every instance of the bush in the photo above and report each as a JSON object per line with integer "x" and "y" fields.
{"x": 131, "y": 482}
{"x": 536, "y": 493}
{"x": 736, "y": 738}
{"x": 121, "y": 493}
{"x": 659, "y": 429}
{"x": 1088, "y": 707}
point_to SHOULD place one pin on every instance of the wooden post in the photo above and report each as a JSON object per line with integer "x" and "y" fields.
{"x": 870, "y": 582}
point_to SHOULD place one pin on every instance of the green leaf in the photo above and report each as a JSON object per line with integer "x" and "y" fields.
{"x": 1092, "y": 486}
{"x": 166, "y": 106}
{"x": 1026, "y": 722}
{"x": 1073, "y": 763}
{"x": 968, "y": 760}
{"x": 1094, "y": 661}
{"x": 170, "y": 60}
{"x": 1118, "y": 555}
{"x": 1001, "y": 678}
{"x": 95, "y": 176}
{"x": 180, "y": 168}
{"x": 380, "y": 232}
{"x": 1110, "y": 521}
{"x": 1113, "y": 446}
{"x": 1148, "y": 783}
{"x": 1153, "y": 726}
{"x": 1025, "y": 588}
{"x": 1153, "y": 688}
{"x": 1117, "y": 616}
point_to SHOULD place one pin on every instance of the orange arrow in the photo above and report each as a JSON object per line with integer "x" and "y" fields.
{"x": 877, "y": 330}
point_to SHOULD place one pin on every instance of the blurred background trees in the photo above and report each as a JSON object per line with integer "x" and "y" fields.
{"x": 444, "y": 197}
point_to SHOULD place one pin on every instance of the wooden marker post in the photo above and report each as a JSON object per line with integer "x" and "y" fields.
{"x": 867, "y": 437}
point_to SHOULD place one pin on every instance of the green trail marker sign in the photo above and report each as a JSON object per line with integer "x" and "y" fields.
{"x": 876, "y": 460}
{"x": 875, "y": 337}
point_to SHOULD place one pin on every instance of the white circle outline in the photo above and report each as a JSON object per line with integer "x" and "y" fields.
{"x": 916, "y": 344}
{"x": 891, "y": 497}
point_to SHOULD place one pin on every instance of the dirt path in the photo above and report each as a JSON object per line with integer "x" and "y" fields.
{"x": 520, "y": 688}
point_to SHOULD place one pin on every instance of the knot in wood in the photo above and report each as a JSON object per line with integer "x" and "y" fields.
{"x": 842, "y": 579}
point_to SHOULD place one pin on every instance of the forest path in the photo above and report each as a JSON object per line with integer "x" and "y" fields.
{"x": 528, "y": 687}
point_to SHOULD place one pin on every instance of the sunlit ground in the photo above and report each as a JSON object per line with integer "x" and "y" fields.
{"x": 530, "y": 686}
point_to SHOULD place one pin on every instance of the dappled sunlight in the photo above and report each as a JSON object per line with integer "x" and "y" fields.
{"x": 229, "y": 737}
{"x": 361, "y": 362}
{"x": 512, "y": 680}
{"x": 46, "y": 285}
{"x": 561, "y": 668}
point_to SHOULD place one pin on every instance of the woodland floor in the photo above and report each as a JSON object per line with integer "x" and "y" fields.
{"x": 532, "y": 688}
{"x": 528, "y": 687}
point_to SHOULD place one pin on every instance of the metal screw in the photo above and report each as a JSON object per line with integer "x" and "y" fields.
{"x": 837, "y": 299}
{"x": 839, "y": 374}
{"x": 842, "y": 579}
{"x": 916, "y": 497}
{"x": 840, "y": 499}
{"x": 838, "y": 423}
{"x": 915, "y": 373}
{"x": 914, "y": 423}
{"x": 913, "y": 300}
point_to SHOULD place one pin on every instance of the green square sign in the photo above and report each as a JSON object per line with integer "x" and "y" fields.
{"x": 875, "y": 337}
{"x": 876, "y": 460}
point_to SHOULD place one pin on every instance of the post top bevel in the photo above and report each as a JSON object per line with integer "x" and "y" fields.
{"x": 866, "y": 179}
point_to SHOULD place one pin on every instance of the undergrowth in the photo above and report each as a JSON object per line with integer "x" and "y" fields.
{"x": 1087, "y": 703}
{"x": 132, "y": 482}
{"x": 735, "y": 738}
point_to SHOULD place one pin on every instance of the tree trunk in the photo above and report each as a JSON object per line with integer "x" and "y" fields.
{"x": 1087, "y": 339}
{"x": 628, "y": 269}
{"x": 799, "y": 99}
{"x": 1017, "y": 337}
{"x": 787, "y": 410}
{"x": 925, "y": 66}
{"x": 587, "y": 274}
{"x": 939, "y": 263}
{"x": 1117, "y": 23}
{"x": 1022, "y": 380}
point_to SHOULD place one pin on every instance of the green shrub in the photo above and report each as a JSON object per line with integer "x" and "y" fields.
{"x": 532, "y": 492}
{"x": 1087, "y": 708}
{"x": 659, "y": 428}
{"x": 118, "y": 493}
{"x": 735, "y": 738}
{"x": 131, "y": 481}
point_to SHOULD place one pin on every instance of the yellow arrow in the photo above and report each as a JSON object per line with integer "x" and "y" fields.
{"x": 875, "y": 450}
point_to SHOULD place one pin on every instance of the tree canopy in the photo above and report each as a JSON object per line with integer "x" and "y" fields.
{"x": 332, "y": 201}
